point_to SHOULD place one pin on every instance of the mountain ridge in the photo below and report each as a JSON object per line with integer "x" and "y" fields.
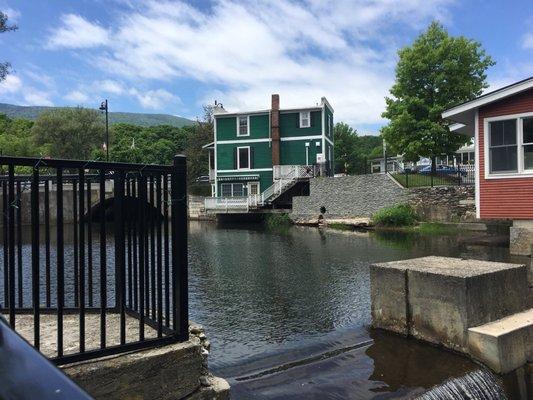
{"x": 115, "y": 117}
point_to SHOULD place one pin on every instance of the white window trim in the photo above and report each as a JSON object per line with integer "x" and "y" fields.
{"x": 247, "y": 125}
{"x": 239, "y": 158}
{"x": 521, "y": 172}
{"x": 231, "y": 185}
{"x": 308, "y": 119}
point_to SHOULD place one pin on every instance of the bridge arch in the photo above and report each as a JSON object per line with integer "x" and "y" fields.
{"x": 131, "y": 208}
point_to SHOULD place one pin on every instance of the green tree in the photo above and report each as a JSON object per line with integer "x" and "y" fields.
{"x": 347, "y": 157}
{"x": 16, "y": 137}
{"x": 5, "y": 27}
{"x": 199, "y": 135}
{"x": 72, "y": 133}
{"x": 437, "y": 72}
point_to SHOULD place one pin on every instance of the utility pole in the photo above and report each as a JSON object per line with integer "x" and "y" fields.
{"x": 103, "y": 107}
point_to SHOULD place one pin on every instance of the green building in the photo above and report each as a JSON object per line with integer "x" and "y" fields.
{"x": 258, "y": 156}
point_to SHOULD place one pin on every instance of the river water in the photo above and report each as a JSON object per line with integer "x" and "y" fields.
{"x": 287, "y": 311}
{"x": 256, "y": 290}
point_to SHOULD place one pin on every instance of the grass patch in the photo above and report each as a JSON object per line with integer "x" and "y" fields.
{"x": 340, "y": 227}
{"x": 395, "y": 216}
{"x": 277, "y": 221}
{"x": 421, "y": 180}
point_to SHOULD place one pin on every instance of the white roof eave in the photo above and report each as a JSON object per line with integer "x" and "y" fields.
{"x": 454, "y": 114}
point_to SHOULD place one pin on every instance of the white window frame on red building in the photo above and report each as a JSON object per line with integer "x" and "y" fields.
{"x": 521, "y": 171}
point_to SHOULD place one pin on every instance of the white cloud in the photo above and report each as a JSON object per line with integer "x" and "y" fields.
{"x": 154, "y": 99}
{"x": 109, "y": 86}
{"x": 11, "y": 84}
{"x": 76, "y": 33}
{"x": 35, "y": 97}
{"x": 13, "y": 88}
{"x": 527, "y": 41}
{"x": 246, "y": 50}
{"x": 77, "y": 96}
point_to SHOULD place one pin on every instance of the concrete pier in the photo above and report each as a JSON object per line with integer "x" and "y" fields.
{"x": 438, "y": 298}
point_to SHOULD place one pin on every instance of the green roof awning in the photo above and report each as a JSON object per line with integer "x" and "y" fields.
{"x": 238, "y": 178}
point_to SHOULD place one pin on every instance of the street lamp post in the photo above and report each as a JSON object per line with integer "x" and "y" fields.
{"x": 103, "y": 107}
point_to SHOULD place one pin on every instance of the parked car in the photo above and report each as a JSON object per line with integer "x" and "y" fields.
{"x": 202, "y": 179}
{"x": 443, "y": 170}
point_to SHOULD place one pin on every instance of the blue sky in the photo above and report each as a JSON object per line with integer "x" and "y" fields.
{"x": 173, "y": 56}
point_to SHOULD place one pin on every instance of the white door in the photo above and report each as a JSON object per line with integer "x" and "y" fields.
{"x": 253, "y": 188}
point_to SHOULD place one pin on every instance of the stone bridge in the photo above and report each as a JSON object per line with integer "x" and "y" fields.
{"x": 69, "y": 196}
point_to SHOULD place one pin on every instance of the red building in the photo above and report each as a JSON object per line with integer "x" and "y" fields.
{"x": 502, "y": 124}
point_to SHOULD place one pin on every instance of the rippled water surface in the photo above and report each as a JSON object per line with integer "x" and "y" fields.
{"x": 258, "y": 292}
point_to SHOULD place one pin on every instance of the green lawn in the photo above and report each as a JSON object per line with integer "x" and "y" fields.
{"x": 420, "y": 180}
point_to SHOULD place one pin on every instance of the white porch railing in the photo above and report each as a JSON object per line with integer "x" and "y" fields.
{"x": 294, "y": 171}
{"x": 285, "y": 176}
{"x": 227, "y": 203}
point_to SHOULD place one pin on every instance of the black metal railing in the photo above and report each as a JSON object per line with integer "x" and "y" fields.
{"x": 96, "y": 253}
{"x": 442, "y": 176}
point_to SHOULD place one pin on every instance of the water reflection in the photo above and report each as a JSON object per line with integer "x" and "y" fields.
{"x": 260, "y": 291}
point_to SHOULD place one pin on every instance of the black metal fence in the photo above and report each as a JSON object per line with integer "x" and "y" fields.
{"x": 443, "y": 176}
{"x": 98, "y": 248}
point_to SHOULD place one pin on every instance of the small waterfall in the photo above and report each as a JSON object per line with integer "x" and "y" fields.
{"x": 476, "y": 385}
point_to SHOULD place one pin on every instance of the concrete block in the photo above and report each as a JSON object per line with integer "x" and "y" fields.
{"x": 503, "y": 345}
{"x": 520, "y": 240}
{"x": 437, "y": 299}
{"x": 168, "y": 372}
{"x": 388, "y": 298}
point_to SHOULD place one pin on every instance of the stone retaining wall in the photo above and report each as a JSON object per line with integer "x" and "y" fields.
{"x": 444, "y": 203}
{"x": 348, "y": 196}
{"x": 362, "y": 195}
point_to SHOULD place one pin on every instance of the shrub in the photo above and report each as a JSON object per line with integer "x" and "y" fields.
{"x": 398, "y": 215}
{"x": 274, "y": 221}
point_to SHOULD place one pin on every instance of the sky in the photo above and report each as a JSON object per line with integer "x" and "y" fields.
{"x": 174, "y": 56}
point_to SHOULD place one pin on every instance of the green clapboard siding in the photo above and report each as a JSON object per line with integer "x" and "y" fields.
{"x": 265, "y": 179}
{"x": 293, "y": 152}
{"x": 290, "y": 124}
{"x": 227, "y": 128}
{"x": 259, "y": 126}
{"x": 262, "y": 155}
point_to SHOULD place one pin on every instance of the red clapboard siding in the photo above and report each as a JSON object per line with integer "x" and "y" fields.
{"x": 504, "y": 198}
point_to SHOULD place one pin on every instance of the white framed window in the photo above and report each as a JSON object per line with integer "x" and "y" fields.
{"x": 305, "y": 119}
{"x": 330, "y": 125}
{"x": 243, "y": 157}
{"x": 509, "y": 146}
{"x": 243, "y": 125}
{"x": 226, "y": 189}
{"x": 527, "y": 142}
{"x": 503, "y": 148}
{"x": 232, "y": 190}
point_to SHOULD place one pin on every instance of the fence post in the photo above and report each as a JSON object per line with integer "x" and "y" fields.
{"x": 120, "y": 268}
{"x": 406, "y": 178}
{"x": 179, "y": 248}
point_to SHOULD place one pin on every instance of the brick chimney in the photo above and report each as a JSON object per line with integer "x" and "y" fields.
{"x": 274, "y": 129}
